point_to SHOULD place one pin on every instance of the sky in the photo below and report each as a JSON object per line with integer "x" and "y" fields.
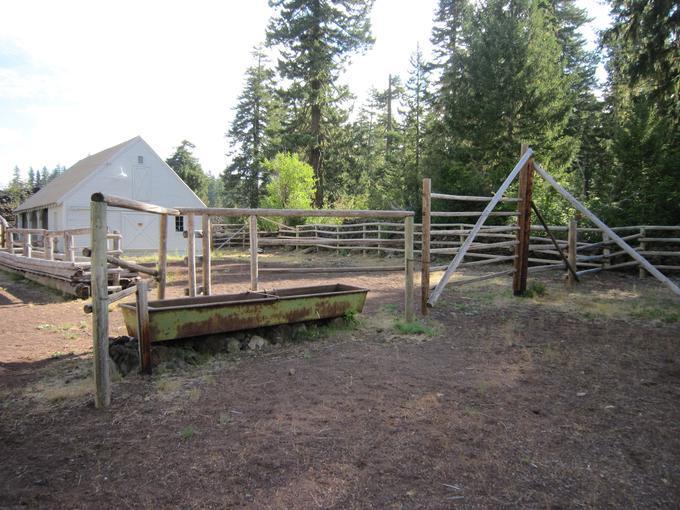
{"x": 78, "y": 76}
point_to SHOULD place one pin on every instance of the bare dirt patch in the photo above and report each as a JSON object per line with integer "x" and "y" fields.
{"x": 544, "y": 402}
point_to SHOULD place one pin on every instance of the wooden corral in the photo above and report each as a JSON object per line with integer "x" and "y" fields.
{"x": 100, "y": 259}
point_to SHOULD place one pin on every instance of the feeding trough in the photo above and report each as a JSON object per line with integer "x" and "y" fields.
{"x": 207, "y": 315}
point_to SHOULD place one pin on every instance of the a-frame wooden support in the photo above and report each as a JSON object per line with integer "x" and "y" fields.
{"x": 436, "y": 293}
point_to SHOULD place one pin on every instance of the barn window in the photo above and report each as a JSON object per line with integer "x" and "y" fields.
{"x": 140, "y": 160}
{"x": 179, "y": 223}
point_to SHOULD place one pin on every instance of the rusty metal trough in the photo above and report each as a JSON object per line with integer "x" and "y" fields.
{"x": 206, "y": 315}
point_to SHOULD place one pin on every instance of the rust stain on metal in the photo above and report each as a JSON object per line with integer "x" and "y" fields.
{"x": 188, "y": 317}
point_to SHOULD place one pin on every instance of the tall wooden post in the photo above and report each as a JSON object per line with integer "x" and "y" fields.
{"x": 28, "y": 246}
{"x": 643, "y": 246}
{"x": 363, "y": 236}
{"x": 49, "y": 247}
{"x": 526, "y": 184}
{"x": 408, "y": 263}
{"x": 337, "y": 239}
{"x": 191, "y": 254}
{"x": 69, "y": 250}
{"x": 606, "y": 262}
{"x": 379, "y": 237}
{"x": 207, "y": 247}
{"x": 116, "y": 247}
{"x": 425, "y": 248}
{"x": 100, "y": 305}
{"x": 253, "y": 252}
{"x": 162, "y": 255}
{"x": 572, "y": 242}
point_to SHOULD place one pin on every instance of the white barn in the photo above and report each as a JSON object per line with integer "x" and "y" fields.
{"x": 132, "y": 170}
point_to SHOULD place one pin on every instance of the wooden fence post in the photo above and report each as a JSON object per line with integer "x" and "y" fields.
{"x": 379, "y": 237}
{"x": 606, "y": 262}
{"x": 116, "y": 247}
{"x": 162, "y": 255}
{"x": 191, "y": 254}
{"x": 363, "y": 236}
{"x": 526, "y": 183}
{"x": 49, "y": 247}
{"x": 643, "y": 246}
{"x": 100, "y": 305}
{"x": 297, "y": 237}
{"x": 408, "y": 263}
{"x": 207, "y": 246}
{"x": 253, "y": 252}
{"x": 143, "y": 327}
{"x": 337, "y": 239}
{"x": 28, "y": 247}
{"x": 572, "y": 243}
{"x": 425, "y": 248}
{"x": 69, "y": 250}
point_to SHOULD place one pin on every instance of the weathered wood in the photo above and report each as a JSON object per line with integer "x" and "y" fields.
{"x": 162, "y": 255}
{"x": 27, "y": 245}
{"x": 49, "y": 248}
{"x": 116, "y": 248}
{"x": 408, "y": 262}
{"x": 135, "y": 205}
{"x": 425, "y": 247}
{"x": 100, "y": 309}
{"x": 191, "y": 254}
{"x": 482, "y": 278}
{"x": 475, "y": 230}
{"x": 69, "y": 248}
{"x": 310, "y": 270}
{"x": 617, "y": 239}
{"x": 143, "y": 328}
{"x": 206, "y": 263}
{"x": 131, "y": 266}
{"x": 470, "y": 198}
{"x": 293, "y": 213}
{"x": 463, "y": 214}
{"x": 116, "y": 296}
{"x": 252, "y": 227}
{"x": 567, "y": 265}
{"x": 572, "y": 240}
{"x": 642, "y": 247}
{"x": 521, "y": 262}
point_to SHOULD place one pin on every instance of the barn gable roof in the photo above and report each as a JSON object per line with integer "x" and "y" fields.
{"x": 58, "y": 188}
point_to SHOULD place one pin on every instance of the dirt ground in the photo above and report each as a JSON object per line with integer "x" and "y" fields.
{"x": 569, "y": 399}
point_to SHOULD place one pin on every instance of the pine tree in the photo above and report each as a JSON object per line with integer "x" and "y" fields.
{"x": 316, "y": 39}
{"x": 186, "y": 165}
{"x": 252, "y": 134}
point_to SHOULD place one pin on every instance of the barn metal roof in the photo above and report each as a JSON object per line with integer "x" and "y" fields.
{"x": 61, "y": 185}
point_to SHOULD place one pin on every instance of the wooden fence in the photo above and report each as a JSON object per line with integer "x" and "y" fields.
{"x": 52, "y": 258}
{"x": 494, "y": 243}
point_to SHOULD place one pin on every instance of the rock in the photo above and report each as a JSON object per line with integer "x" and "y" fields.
{"x": 300, "y": 332}
{"x": 256, "y": 343}
{"x": 291, "y": 371}
{"x": 233, "y": 346}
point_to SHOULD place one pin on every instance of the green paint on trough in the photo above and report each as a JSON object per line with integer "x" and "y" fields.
{"x": 207, "y": 315}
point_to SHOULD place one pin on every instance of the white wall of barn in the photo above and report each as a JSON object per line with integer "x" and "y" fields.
{"x": 139, "y": 174}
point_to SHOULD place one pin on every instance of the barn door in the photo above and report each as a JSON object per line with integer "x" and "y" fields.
{"x": 140, "y": 231}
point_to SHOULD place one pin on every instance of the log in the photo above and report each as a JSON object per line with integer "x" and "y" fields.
{"x": 521, "y": 262}
{"x": 100, "y": 310}
{"x": 135, "y": 205}
{"x": 463, "y": 214}
{"x": 130, "y": 266}
{"x": 289, "y": 213}
{"x": 310, "y": 270}
{"x": 425, "y": 247}
{"x": 206, "y": 263}
{"x": 408, "y": 262}
{"x": 252, "y": 227}
{"x": 162, "y": 255}
{"x": 191, "y": 253}
{"x": 469, "y": 198}
{"x": 482, "y": 278}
